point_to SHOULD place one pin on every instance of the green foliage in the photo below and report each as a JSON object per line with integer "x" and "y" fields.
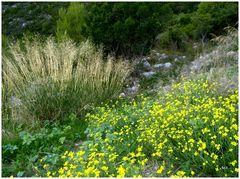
{"x": 173, "y": 38}
{"x": 126, "y": 28}
{"x": 202, "y": 24}
{"x": 22, "y": 155}
{"x": 5, "y": 42}
{"x": 71, "y": 22}
{"x": 207, "y": 19}
{"x": 222, "y": 13}
{"x": 35, "y": 17}
{"x": 186, "y": 7}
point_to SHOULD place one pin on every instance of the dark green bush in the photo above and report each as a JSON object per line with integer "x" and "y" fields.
{"x": 126, "y": 28}
{"x": 198, "y": 25}
{"x": 71, "y": 22}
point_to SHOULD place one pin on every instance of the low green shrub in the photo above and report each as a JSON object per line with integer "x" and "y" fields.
{"x": 23, "y": 154}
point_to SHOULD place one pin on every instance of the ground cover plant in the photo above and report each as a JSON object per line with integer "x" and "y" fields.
{"x": 189, "y": 131}
{"x": 22, "y": 153}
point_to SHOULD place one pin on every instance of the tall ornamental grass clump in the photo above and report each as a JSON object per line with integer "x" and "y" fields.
{"x": 54, "y": 79}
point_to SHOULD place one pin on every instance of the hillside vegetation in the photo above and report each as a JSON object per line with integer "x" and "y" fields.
{"x": 121, "y": 89}
{"x": 125, "y": 29}
{"x": 190, "y": 130}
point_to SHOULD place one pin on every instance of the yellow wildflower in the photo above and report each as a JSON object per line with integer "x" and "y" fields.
{"x": 160, "y": 170}
{"x": 121, "y": 172}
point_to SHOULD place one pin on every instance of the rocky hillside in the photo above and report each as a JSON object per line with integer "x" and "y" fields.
{"x": 217, "y": 63}
{"x": 38, "y": 17}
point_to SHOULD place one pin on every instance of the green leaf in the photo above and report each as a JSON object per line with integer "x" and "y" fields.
{"x": 62, "y": 139}
{"x": 20, "y": 174}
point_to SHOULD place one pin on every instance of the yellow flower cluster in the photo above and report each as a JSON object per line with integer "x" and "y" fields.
{"x": 190, "y": 131}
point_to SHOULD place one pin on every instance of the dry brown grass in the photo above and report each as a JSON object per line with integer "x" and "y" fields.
{"x": 219, "y": 65}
